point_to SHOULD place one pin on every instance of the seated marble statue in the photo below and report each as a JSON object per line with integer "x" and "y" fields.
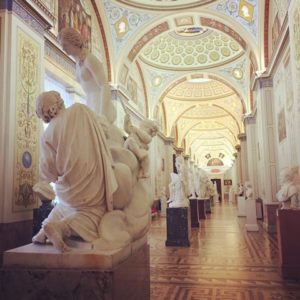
{"x": 177, "y": 187}
{"x": 138, "y": 141}
{"x": 76, "y": 157}
{"x": 288, "y": 194}
{"x": 248, "y": 190}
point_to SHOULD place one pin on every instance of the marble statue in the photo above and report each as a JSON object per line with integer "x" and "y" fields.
{"x": 163, "y": 202}
{"x": 240, "y": 189}
{"x": 248, "y": 190}
{"x": 288, "y": 194}
{"x": 203, "y": 193}
{"x": 177, "y": 186}
{"x": 138, "y": 141}
{"x": 89, "y": 183}
{"x": 192, "y": 190}
{"x": 89, "y": 73}
{"x": 44, "y": 191}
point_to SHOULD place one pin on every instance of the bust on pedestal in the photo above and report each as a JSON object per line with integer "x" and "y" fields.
{"x": 178, "y": 213}
{"x": 251, "y": 221}
{"x": 288, "y": 223}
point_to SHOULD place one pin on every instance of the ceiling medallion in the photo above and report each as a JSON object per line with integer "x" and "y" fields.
{"x": 237, "y": 73}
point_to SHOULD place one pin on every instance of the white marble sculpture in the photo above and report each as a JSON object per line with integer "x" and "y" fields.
{"x": 89, "y": 183}
{"x": 240, "y": 189}
{"x": 192, "y": 190}
{"x": 203, "y": 193}
{"x": 138, "y": 141}
{"x": 163, "y": 202}
{"x": 177, "y": 186}
{"x": 288, "y": 194}
{"x": 89, "y": 73}
{"x": 248, "y": 190}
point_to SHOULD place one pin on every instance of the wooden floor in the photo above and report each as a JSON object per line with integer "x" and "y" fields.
{"x": 224, "y": 262}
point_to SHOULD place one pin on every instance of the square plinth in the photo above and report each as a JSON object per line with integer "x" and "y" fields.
{"x": 120, "y": 274}
{"x": 288, "y": 223}
{"x": 178, "y": 226}
{"x": 194, "y": 213}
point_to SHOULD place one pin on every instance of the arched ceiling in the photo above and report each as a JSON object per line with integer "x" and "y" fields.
{"x": 190, "y": 59}
{"x": 165, "y": 4}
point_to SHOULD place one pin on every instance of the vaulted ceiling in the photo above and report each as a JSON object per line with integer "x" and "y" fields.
{"x": 191, "y": 62}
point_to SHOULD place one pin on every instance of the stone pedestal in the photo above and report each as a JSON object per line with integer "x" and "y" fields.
{"x": 178, "y": 226}
{"x": 288, "y": 224}
{"x": 201, "y": 208}
{"x": 208, "y": 206}
{"x": 194, "y": 213}
{"x": 241, "y": 205}
{"x": 251, "y": 221}
{"x": 41, "y": 272}
{"x": 270, "y": 218}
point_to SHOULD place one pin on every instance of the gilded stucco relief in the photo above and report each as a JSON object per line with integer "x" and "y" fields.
{"x": 27, "y": 126}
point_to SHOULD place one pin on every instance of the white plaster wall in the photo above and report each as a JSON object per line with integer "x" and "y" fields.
{"x": 287, "y": 155}
{"x": 8, "y": 111}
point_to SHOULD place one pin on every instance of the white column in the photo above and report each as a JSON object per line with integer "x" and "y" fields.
{"x": 266, "y": 150}
{"x": 250, "y": 124}
{"x": 244, "y": 161}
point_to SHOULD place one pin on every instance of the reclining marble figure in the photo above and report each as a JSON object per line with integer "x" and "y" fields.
{"x": 75, "y": 156}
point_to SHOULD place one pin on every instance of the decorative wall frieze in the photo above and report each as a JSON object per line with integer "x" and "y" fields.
{"x": 57, "y": 56}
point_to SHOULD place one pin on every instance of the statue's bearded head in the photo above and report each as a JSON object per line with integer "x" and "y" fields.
{"x": 48, "y": 105}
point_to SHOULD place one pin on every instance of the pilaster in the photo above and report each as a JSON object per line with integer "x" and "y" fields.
{"x": 243, "y": 152}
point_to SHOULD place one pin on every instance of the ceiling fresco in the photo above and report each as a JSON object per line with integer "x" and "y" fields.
{"x": 165, "y": 4}
{"x": 194, "y": 67}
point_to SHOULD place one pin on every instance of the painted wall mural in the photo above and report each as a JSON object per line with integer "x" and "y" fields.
{"x": 27, "y": 125}
{"x": 71, "y": 13}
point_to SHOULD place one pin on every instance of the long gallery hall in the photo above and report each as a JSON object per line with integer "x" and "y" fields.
{"x": 224, "y": 262}
{"x": 149, "y": 149}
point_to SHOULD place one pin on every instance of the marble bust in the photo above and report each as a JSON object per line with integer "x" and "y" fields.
{"x": 248, "y": 190}
{"x": 288, "y": 194}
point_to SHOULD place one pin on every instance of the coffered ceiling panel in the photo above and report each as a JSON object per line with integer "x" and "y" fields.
{"x": 209, "y": 48}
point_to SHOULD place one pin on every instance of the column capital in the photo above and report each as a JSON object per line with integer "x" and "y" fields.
{"x": 237, "y": 147}
{"x": 242, "y": 136}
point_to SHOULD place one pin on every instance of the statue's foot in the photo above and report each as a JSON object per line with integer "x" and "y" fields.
{"x": 40, "y": 237}
{"x": 54, "y": 235}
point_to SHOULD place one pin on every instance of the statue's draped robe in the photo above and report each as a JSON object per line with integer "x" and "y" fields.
{"x": 75, "y": 156}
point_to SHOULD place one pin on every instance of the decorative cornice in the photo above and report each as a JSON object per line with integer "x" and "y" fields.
{"x": 168, "y": 140}
{"x": 59, "y": 57}
{"x": 238, "y": 148}
{"x": 30, "y": 16}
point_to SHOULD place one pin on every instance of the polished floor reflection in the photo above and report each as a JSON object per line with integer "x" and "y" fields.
{"x": 224, "y": 262}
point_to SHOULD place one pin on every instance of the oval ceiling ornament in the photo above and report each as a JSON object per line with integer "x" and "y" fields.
{"x": 165, "y": 4}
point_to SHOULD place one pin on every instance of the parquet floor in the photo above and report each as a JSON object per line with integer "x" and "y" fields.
{"x": 224, "y": 262}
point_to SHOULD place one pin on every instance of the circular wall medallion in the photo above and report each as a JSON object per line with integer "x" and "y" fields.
{"x": 26, "y": 159}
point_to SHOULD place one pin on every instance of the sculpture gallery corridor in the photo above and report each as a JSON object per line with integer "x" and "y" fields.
{"x": 224, "y": 262}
